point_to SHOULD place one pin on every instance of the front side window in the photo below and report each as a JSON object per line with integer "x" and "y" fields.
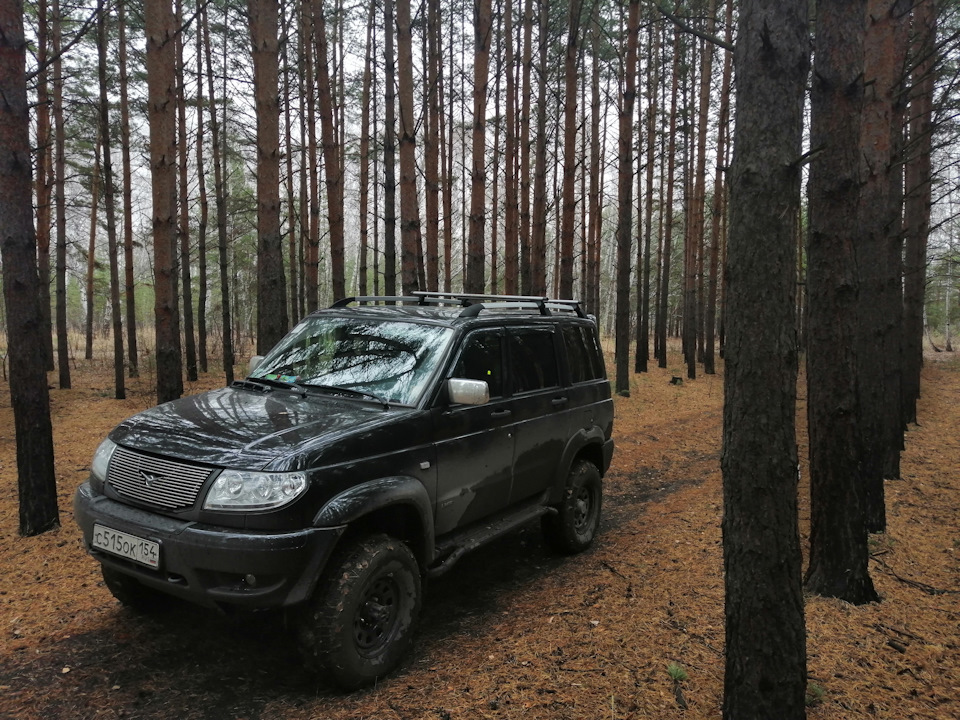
{"x": 391, "y": 359}
{"x": 482, "y": 359}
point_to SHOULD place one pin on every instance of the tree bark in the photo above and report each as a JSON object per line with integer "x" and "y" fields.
{"x": 161, "y": 28}
{"x": 625, "y": 201}
{"x": 92, "y": 247}
{"x": 838, "y": 533}
{"x": 59, "y": 130}
{"x": 183, "y": 225}
{"x": 29, "y": 397}
{"x": 44, "y": 178}
{"x": 409, "y": 200}
{"x": 271, "y": 285}
{"x": 765, "y": 667}
{"x": 127, "y": 194}
{"x": 116, "y": 315}
{"x": 570, "y": 161}
{"x": 476, "y": 257}
{"x": 389, "y": 155}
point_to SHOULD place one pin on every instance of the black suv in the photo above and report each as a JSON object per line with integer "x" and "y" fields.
{"x": 377, "y": 443}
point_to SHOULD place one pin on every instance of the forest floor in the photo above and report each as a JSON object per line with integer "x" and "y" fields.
{"x": 512, "y": 631}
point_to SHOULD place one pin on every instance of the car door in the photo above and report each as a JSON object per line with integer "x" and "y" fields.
{"x": 540, "y": 408}
{"x": 474, "y": 443}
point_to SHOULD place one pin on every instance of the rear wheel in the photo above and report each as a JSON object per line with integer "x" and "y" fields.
{"x": 573, "y": 526}
{"x": 362, "y": 617}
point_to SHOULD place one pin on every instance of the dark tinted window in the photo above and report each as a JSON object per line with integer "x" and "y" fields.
{"x": 533, "y": 360}
{"x": 481, "y": 359}
{"x": 582, "y": 354}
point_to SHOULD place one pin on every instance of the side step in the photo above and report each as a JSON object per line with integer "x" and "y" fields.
{"x": 454, "y": 546}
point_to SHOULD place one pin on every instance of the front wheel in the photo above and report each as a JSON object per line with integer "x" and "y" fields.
{"x": 573, "y": 526}
{"x": 362, "y": 617}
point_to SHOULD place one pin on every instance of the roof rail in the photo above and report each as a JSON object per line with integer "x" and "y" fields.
{"x": 472, "y": 303}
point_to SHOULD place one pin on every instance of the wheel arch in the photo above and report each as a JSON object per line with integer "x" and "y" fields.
{"x": 586, "y": 444}
{"x": 398, "y": 506}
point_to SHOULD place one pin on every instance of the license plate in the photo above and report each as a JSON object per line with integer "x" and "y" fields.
{"x": 140, "y": 550}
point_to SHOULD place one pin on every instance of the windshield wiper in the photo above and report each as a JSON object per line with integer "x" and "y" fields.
{"x": 337, "y": 390}
{"x": 271, "y": 382}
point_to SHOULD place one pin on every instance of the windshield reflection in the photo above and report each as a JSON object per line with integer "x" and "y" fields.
{"x": 390, "y": 359}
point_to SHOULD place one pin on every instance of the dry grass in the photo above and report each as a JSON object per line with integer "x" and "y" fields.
{"x": 511, "y": 632}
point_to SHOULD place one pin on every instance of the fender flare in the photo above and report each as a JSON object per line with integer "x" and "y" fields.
{"x": 584, "y": 437}
{"x": 355, "y": 502}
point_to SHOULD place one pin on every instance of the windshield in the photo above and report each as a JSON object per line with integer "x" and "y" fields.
{"x": 390, "y": 359}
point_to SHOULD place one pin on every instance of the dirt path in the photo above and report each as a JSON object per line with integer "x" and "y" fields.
{"x": 512, "y": 631}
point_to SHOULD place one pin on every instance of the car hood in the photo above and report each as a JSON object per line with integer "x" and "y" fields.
{"x": 250, "y": 429}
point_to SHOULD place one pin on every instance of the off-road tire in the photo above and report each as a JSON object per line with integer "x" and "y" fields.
{"x": 133, "y": 594}
{"x": 361, "y": 620}
{"x": 573, "y": 526}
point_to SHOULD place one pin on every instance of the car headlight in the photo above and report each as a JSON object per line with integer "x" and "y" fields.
{"x": 242, "y": 490}
{"x": 101, "y": 460}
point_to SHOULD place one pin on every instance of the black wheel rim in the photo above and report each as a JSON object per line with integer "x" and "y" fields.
{"x": 583, "y": 506}
{"x": 376, "y": 619}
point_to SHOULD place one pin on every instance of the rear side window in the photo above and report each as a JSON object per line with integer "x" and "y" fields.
{"x": 582, "y": 354}
{"x": 533, "y": 360}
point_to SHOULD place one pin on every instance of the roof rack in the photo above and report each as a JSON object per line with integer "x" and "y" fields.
{"x": 473, "y": 303}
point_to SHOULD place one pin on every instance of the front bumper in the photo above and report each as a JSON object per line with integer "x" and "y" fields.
{"x": 209, "y": 565}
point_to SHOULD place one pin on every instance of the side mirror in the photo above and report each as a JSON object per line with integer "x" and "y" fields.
{"x": 254, "y": 362}
{"x": 468, "y": 392}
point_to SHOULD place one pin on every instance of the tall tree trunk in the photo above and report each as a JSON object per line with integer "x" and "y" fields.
{"x": 365, "y": 153}
{"x": 625, "y": 200}
{"x": 525, "y": 94}
{"x": 183, "y": 226}
{"x": 716, "y": 212}
{"x": 593, "y": 193}
{"x": 643, "y": 331}
{"x": 918, "y": 184}
{"x": 92, "y": 246}
{"x": 271, "y": 285}
{"x": 161, "y": 27}
{"x": 570, "y": 160}
{"x": 29, "y": 397}
{"x": 765, "y": 667}
{"x": 127, "y": 205}
{"x": 409, "y": 201}
{"x": 220, "y": 192}
{"x": 44, "y": 179}
{"x": 116, "y": 314}
{"x": 665, "y": 261}
{"x": 389, "y": 156}
{"x": 59, "y": 132}
{"x": 311, "y": 280}
{"x": 476, "y": 256}
{"x": 204, "y": 219}
{"x": 538, "y": 237}
{"x": 293, "y": 257}
{"x": 877, "y": 251}
{"x": 431, "y": 144}
{"x": 511, "y": 218}
{"x": 838, "y": 533}
{"x": 331, "y": 155}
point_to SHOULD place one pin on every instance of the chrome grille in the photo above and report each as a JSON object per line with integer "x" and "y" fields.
{"x": 164, "y": 483}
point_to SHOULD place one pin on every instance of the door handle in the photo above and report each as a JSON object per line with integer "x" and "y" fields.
{"x": 500, "y": 413}
{"x": 558, "y": 402}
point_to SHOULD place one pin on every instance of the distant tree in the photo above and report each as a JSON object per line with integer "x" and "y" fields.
{"x": 116, "y": 315}
{"x": 389, "y": 153}
{"x": 410, "y": 242}
{"x": 127, "y": 192}
{"x": 36, "y": 481}
{"x": 431, "y": 143}
{"x": 44, "y": 175}
{"x": 765, "y": 667}
{"x": 838, "y": 531}
{"x": 160, "y": 28}
{"x": 91, "y": 277}
{"x": 60, "y": 201}
{"x": 661, "y": 330}
{"x": 916, "y": 215}
{"x": 625, "y": 200}
{"x": 272, "y": 320}
{"x": 538, "y": 231}
{"x": 476, "y": 255}
{"x": 331, "y": 154}
{"x": 571, "y": 67}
